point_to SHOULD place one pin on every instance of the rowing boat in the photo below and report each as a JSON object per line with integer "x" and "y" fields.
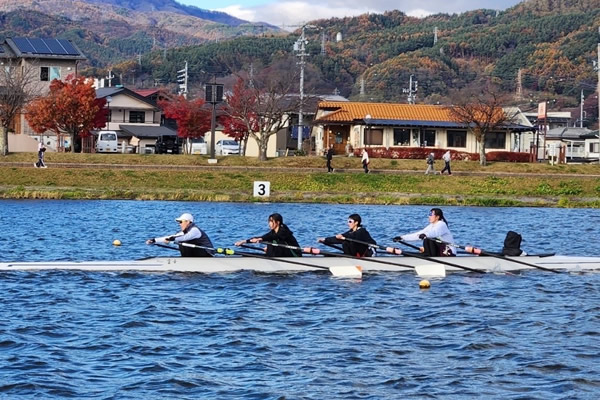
{"x": 225, "y": 264}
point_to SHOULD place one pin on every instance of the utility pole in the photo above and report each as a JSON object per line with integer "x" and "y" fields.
{"x": 581, "y": 111}
{"x": 411, "y": 91}
{"x": 182, "y": 80}
{"x": 598, "y": 69}
{"x": 519, "y": 94}
{"x": 300, "y": 48}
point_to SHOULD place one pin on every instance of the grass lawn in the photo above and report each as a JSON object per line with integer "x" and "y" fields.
{"x": 297, "y": 179}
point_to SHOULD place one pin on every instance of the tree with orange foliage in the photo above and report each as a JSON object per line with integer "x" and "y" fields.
{"x": 71, "y": 106}
{"x": 193, "y": 120}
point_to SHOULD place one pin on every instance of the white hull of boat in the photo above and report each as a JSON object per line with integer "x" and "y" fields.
{"x": 224, "y": 264}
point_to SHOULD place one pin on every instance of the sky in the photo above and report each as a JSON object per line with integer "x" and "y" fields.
{"x": 284, "y": 13}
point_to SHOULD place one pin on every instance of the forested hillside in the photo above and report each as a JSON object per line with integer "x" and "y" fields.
{"x": 112, "y": 31}
{"x": 553, "y": 44}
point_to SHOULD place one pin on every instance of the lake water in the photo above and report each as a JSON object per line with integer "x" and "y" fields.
{"x": 303, "y": 336}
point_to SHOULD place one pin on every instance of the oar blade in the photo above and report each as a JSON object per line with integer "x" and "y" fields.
{"x": 346, "y": 271}
{"x": 431, "y": 270}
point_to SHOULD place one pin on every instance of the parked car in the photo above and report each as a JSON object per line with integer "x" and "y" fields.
{"x": 107, "y": 142}
{"x": 167, "y": 144}
{"x": 199, "y": 146}
{"x": 227, "y": 147}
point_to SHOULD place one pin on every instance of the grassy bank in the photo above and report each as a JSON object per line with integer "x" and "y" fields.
{"x": 97, "y": 176}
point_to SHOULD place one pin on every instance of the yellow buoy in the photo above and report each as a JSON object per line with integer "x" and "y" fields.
{"x": 116, "y": 242}
{"x": 424, "y": 284}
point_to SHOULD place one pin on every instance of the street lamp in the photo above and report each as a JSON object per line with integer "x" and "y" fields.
{"x": 368, "y": 121}
{"x": 213, "y": 95}
{"x": 108, "y": 100}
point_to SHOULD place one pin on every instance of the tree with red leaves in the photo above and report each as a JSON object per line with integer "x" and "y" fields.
{"x": 193, "y": 120}
{"x": 71, "y": 106}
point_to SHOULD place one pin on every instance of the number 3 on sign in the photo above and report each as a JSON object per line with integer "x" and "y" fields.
{"x": 262, "y": 188}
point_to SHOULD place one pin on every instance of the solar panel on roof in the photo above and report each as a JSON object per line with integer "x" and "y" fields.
{"x": 55, "y": 46}
{"x": 23, "y": 45}
{"x": 39, "y": 46}
{"x": 68, "y": 47}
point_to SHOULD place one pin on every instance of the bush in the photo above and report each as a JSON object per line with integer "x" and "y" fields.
{"x": 420, "y": 153}
{"x": 507, "y": 156}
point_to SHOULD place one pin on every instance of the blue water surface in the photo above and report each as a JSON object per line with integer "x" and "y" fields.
{"x": 94, "y": 335}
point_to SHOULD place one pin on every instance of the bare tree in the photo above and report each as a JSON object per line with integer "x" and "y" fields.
{"x": 483, "y": 114}
{"x": 263, "y": 107}
{"x": 17, "y": 88}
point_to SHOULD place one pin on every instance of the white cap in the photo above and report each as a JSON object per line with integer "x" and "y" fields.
{"x": 185, "y": 217}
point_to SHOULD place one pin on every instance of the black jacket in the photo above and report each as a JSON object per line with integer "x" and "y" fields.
{"x": 512, "y": 244}
{"x": 283, "y": 236}
{"x": 353, "y": 248}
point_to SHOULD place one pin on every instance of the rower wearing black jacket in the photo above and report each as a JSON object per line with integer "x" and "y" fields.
{"x": 279, "y": 233}
{"x": 356, "y": 232}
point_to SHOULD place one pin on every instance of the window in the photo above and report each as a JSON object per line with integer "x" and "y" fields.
{"x": 495, "y": 140}
{"x": 54, "y": 73}
{"x": 374, "y": 137}
{"x": 456, "y": 138}
{"x": 137, "y": 116}
{"x": 49, "y": 73}
{"x": 593, "y": 147}
{"x": 429, "y": 137}
{"x": 401, "y": 137}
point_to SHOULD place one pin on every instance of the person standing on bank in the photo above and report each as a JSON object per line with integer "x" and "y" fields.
{"x": 279, "y": 233}
{"x": 189, "y": 234}
{"x": 357, "y": 232}
{"x": 329, "y": 155}
{"x": 430, "y": 161}
{"x": 437, "y": 229}
{"x": 447, "y": 157}
{"x": 365, "y": 161}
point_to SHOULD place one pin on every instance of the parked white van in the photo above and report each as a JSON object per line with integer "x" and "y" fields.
{"x": 107, "y": 142}
{"x": 198, "y": 146}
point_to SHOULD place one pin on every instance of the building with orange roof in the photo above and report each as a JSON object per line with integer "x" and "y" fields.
{"x": 351, "y": 125}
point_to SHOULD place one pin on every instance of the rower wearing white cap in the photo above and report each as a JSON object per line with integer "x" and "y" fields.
{"x": 189, "y": 233}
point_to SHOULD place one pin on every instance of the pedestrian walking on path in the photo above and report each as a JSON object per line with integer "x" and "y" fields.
{"x": 447, "y": 157}
{"x": 430, "y": 162}
{"x": 40, "y": 161}
{"x": 365, "y": 161}
{"x": 329, "y": 155}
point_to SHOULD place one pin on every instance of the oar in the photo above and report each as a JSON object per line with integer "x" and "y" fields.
{"x": 475, "y": 250}
{"x": 317, "y": 251}
{"x": 345, "y": 272}
{"x": 164, "y": 246}
{"x": 397, "y": 251}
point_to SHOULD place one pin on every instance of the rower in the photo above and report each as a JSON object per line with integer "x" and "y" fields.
{"x": 279, "y": 233}
{"x": 190, "y": 234}
{"x": 358, "y": 234}
{"x": 437, "y": 228}
{"x": 512, "y": 245}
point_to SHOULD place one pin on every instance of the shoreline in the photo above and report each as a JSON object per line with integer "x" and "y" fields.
{"x": 298, "y": 180}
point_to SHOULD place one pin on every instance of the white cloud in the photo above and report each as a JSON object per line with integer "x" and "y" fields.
{"x": 288, "y": 12}
{"x": 418, "y": 13}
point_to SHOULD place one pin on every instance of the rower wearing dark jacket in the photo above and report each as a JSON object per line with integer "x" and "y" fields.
{"x": 189, "y": 234}
{"x": 279, "y": 233}
{"x": 512, "y": 245}
{"x": 356, "y": 232}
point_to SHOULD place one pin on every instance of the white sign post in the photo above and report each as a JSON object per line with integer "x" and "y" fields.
{"x": 262, "y": 188}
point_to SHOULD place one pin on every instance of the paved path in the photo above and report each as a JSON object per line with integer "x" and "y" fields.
{"x": 298, "y": 170}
